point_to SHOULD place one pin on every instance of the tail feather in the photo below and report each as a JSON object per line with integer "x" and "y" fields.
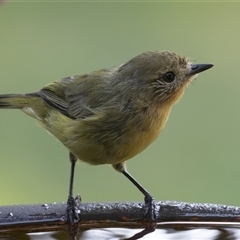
{"x": 13, "y": 101}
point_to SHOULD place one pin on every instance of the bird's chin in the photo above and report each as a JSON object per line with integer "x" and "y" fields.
{"x": 191, "y": 79}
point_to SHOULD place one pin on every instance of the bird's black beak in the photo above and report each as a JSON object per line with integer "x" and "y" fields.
{"x": 197, "y": 68}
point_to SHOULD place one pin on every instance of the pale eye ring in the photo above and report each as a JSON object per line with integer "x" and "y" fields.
{"x": 169, "y": 77}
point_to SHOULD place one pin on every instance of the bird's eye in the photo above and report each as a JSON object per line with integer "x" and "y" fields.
{"x": 169, "y": 77}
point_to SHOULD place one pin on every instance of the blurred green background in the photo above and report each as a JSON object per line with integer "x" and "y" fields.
{"x": 196, "y": 157}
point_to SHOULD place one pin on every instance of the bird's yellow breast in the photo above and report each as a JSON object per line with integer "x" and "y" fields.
{"x": 107, "y": 145}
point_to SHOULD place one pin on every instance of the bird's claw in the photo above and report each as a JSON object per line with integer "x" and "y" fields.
{"x": 150, "y": 214}
{"x": 72, "y": 211}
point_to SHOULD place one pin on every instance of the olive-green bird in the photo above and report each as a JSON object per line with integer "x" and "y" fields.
{"x": 110, "y": 115}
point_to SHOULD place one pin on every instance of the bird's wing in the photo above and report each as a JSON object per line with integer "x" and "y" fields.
{"x": 54, "y": 101}
{"x": 79, "y": 96}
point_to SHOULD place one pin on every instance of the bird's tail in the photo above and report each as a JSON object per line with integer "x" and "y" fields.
{"x": 11, "y": 101}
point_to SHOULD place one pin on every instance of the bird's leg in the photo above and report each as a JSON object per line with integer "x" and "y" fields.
{"x": 72, "y": 211}
{"x": 148, "y": 198}
{"x": 150, "y": 214}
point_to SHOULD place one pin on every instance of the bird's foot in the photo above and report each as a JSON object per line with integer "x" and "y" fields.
{"x": 150, "y": 214}
{"x": 72, "y": 211}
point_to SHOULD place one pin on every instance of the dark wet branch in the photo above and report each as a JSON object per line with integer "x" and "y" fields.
{"x": 47, "y": 217}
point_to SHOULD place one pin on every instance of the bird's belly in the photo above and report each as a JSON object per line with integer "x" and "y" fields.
{"x": 114, "y": 151}
{"x": 104, "y": 144}
{"x": 111, "y": 147}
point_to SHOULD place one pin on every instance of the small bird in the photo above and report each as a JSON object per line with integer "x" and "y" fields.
{"x": 110, "y": 115}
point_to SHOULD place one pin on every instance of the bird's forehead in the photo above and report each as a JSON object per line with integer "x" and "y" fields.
{"x": 174, "y": 60}
{"x": 155, "y": 63}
